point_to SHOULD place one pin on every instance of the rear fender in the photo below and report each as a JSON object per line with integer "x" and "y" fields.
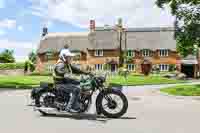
{"x": 37, "y": 91}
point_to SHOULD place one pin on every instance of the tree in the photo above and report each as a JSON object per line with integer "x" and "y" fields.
{"x": 29, "y": 66}
{"x": 7, "y": 56}
{"x": 187, "y": 24}
{"x": 32, "y": 57}
{"x": 30, "y": 63}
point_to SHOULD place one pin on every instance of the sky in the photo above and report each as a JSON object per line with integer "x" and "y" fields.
{"x": 21, "y": 21}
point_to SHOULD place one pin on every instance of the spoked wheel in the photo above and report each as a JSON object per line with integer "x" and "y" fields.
{"x": 46, "y": 99}
{"x": 114, "y": 104}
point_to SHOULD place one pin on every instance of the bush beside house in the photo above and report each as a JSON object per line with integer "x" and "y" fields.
{"x": 12, "y": 69}
{"x": 11, "y": 66}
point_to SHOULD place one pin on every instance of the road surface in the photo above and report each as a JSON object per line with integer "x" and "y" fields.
{"x": 149, "y": 112}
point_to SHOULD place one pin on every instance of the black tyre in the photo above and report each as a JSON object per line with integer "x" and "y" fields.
{"x": 45, "y": 99}
{"x": 112, "y": 104}
{"x": 37, "y": 101}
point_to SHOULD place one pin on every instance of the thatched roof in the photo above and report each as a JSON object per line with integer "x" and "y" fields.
{"x": 137, "y": 39}
{"x": 104, "y": 40}
{"x": 56, "y": 41}
{"x": 151, "y": 40}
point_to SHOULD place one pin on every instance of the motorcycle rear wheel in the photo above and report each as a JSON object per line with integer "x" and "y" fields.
{"x": 45, "y": 99}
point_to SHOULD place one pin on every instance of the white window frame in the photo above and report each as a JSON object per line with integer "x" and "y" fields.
{"x": 163, "y": 52}
{"x": 98, "y": 67}
{"x": 130, "y": 53}
{"x": 146, "y": 52}
{"x": 131, "y": 67}
{"x": 164, "y": 67}
{"x": 50, "y": 67}
{"x": 49, "y": 57}
{"x": 98, "y": 52}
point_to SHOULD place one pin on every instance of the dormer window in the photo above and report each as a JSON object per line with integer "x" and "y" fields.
{"x": 164, "y": 52}
{"x": 50, "y": 55}
{"x": 146, "y": 52}
{"x": 130, "y": 53}
{"x": 98, "y": 52}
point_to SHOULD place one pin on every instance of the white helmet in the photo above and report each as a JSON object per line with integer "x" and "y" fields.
{"x": 65, "y": 53}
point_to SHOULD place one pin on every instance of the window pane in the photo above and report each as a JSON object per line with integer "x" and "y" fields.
{"x": 164, "y": 52}
{"x": 131, "y": 67}
{"x": 98, "y": 53}
{"x": 146, "y": 52}
{"x": 130, "y": 53}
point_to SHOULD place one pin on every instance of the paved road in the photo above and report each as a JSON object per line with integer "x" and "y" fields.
{"x": 149, "y": 112}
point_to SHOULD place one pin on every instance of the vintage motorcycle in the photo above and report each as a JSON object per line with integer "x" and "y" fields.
{"x": 110, "y": 101}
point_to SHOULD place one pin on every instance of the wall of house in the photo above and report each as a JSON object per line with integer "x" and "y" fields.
{"x": 43, "y": 63}
{"x": 107, "y": 55}
{"x": 40, "y": 62}
{"x": 155, "y": 59}
{"x": 89, "y": 59}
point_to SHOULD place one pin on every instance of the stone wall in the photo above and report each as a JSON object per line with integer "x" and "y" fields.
{"x": 12, "y": 72}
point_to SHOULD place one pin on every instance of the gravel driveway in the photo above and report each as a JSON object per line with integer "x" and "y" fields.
{"x": 149, "y": 112}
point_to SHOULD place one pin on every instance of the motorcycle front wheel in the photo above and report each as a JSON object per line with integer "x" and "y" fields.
{"x": 113, "y": 104}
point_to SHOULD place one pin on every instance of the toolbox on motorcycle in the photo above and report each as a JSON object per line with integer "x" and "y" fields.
{"x": 85, "y": 83}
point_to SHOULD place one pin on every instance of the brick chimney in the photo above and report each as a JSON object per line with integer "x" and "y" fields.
{"x": 119, "y": 24}
{"x": 44, "y": 31}
{"x": 92, "y": 25}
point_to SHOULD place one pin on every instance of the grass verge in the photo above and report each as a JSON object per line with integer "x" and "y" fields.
{"x": 134, "y": 80}
{"x": 24, "y": 82}
{"x": 183, "y": 90}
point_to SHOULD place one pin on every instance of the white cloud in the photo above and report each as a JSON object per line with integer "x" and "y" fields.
{"x": 20, "y": 28}
{"x": 2, "y": 32}
{"x": 2, "y": 3}
{"x": 7, "y": 23}
{"x": 49, "y": 24}
{"x": 21, "y": 49}
{"x": 135, "y": 13}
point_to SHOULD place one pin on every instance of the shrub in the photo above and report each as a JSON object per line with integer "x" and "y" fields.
{"x": 7, "y": 56}
{"x": 29, "y": 66}
{"x": 172, "y": 67}
{"x": 10, "y": 66}
{"x": 41, "y": 74}
{"x": 156, "y": 69}
{"x": 106, "y": 67}
{"x": 123, "y": 72}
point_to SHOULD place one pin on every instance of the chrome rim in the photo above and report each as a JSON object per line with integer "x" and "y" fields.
{"x": 47, "y": 99}
{"x": 112, "y": 103}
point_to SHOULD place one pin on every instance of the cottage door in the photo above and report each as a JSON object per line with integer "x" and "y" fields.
{"x": 113, "y": 67}
{"x": 146, "y": 67}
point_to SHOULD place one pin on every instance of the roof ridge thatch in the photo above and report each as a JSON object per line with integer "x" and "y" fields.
{"x": 138, "y": 38}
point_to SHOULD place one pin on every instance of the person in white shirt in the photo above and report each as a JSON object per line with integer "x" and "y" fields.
{"x": 65, "y": 51}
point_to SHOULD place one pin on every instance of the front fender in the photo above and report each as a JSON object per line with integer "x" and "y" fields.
{"x": 115, "y": 87}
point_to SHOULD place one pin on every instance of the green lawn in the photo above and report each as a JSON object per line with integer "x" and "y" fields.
{"x": 183, "y": 90}
{"x": 22, "y": 81}
{"x": 133, "y": 80}
{"x": 33, "y": 81}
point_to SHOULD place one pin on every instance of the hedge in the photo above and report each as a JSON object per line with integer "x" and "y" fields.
{"x": 40, "y": 74}
{"x": 10, "y": 66}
